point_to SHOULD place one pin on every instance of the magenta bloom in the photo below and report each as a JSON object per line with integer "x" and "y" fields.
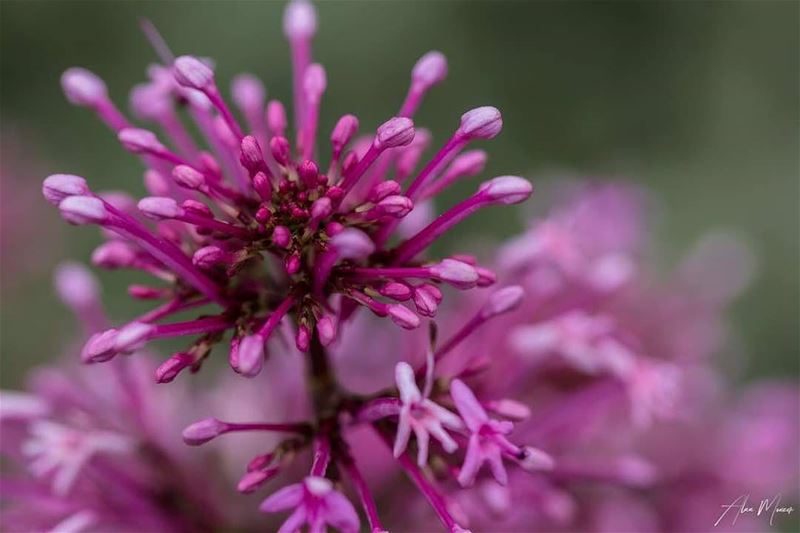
{"x": 487, "y": 440}
{"x": 423, "y": 416}
{"x": 313, "y": 502}
{"x": 262, "y": 227}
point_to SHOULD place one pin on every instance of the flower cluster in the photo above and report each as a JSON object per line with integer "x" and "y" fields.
{"x": 97, "y": 444}
{"x": 550, "y": 403}
{"x": 265, "y": 231}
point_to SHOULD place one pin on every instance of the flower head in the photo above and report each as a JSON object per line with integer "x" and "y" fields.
{"x": 315, "y": 502}
{"x": 265, "y": 230}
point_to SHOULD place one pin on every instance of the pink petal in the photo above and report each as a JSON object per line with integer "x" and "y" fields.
{"x": 403, "y": 433}
{"x": 468, "y": 405}
{"x": 285, "y": 498}
{"x": 404, "y": 376}
{"x": 340, "y": 513}
{"x": 295, "y": 520}
{"x": 472, "y": 462}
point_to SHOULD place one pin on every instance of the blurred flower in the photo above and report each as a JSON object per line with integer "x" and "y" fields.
{"x": 95, "y": 449}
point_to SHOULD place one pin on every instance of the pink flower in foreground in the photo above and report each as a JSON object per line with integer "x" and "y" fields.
{"x": 422, "y": 416}
{"x": 487, "y": 441}
{"x": 314, "y": 502}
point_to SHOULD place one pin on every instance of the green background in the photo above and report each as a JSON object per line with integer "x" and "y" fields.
{"x": 697, "y": 101}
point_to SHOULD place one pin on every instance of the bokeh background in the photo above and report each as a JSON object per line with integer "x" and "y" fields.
{"x": 697, "y": 101}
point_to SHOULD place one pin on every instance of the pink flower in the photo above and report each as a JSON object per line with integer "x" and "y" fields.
{"x": 314, "y": 502}
{"x": 422, "y": 416}
{"x": 487, "y": 441}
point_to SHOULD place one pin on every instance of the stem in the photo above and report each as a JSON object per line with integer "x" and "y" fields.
{"x": 322, "y": 384}
{"x": 424, "y": 485}
{"x": 367, "y": 501}
{"x": 322, "y": 456}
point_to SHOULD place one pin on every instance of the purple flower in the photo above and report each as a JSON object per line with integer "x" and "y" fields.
{"x": 94, "y": 449}
{"x": 422, "y": 416}
{"x": 252, "y": 199}
{"x": 487, "y": 441}
{"x": 315, "y": 502}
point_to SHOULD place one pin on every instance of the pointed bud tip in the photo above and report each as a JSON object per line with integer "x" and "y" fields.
{"x": 160, "y": 207}
{"x": 455, "y": 272}
{"x": 403, "y": 316}
{"x": 481, "y": 123}
{"x": 203, "y": 431}
{"x": 56, "y": 187}
{"x": 503, "y": 301}
{"x": 82, "y": 87}
{"x": 81, "y": 210}
{"x": 138, "y": 140}
{"x": 188, "y": 177}
{"x": 397, "y": 131}
{"x": 248, "y": 92}
{"x": 193, "y": 73}
{"x": 76, "y": 285}
{"x": 251, "y": 355}
{"x": 507, "y": 190}
{"x": 352, "y": 243}
{"x": 430, "y": 69}
{"x": 299, "y": 20}
{"x": 535, "y": 460}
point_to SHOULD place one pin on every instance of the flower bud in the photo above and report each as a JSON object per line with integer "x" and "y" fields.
{"x": 276, "y": 117}
{"x": 100, "y": 347}
{"x": 250, "y": 355}
{"x": 302, "y": 339}
{"x": 81, "y": 210}
{"x": 425, "y": 302}
{"x": 76, "y": 286}
{"x": 253, "y": 480}
{"x": 247, "y": 92}
{"x": 169, "y": 369}
{"x": 191, "y": 72}
{"x": 187, "y": 177}
{"x": 280, "y": 149}
{"x": 113, "y": 254}
{"x": 481, "y": 123}
{"x": 457, "y": 273}
{"x": 384, "y": 189}
{"x": 56, "y": 187}
{"x": 352, "y": 243}
{"x": 396, "y": 205}
{"x": 430, "y": 70}
{"x": 326, "y": 329}
{"x": 397, "y": 131}
{"x": 149, "y": 102}
{"x": 396, "y": 291}
{"x": 321, "y": 208}
{"x": 83, "y": 88}
{"x": 203, "y": 431}
{"x": 507, "y": 190}
{"x": 160, "y": 207}
{"x": 281, "y": 236}
{"x": 250, "y": 154}
{"x": 299, "y": 20}
{"x": 133, "y": 336}
{"x": 155, "y": 183}
{"x": 403, "y": 316}
{"x": 343, "y": 132}
{"x": 208, "y": 257}
{"x": 139, "y": 141}
{"x": 197, "y": 208}
{"x": 502, "y": 301}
